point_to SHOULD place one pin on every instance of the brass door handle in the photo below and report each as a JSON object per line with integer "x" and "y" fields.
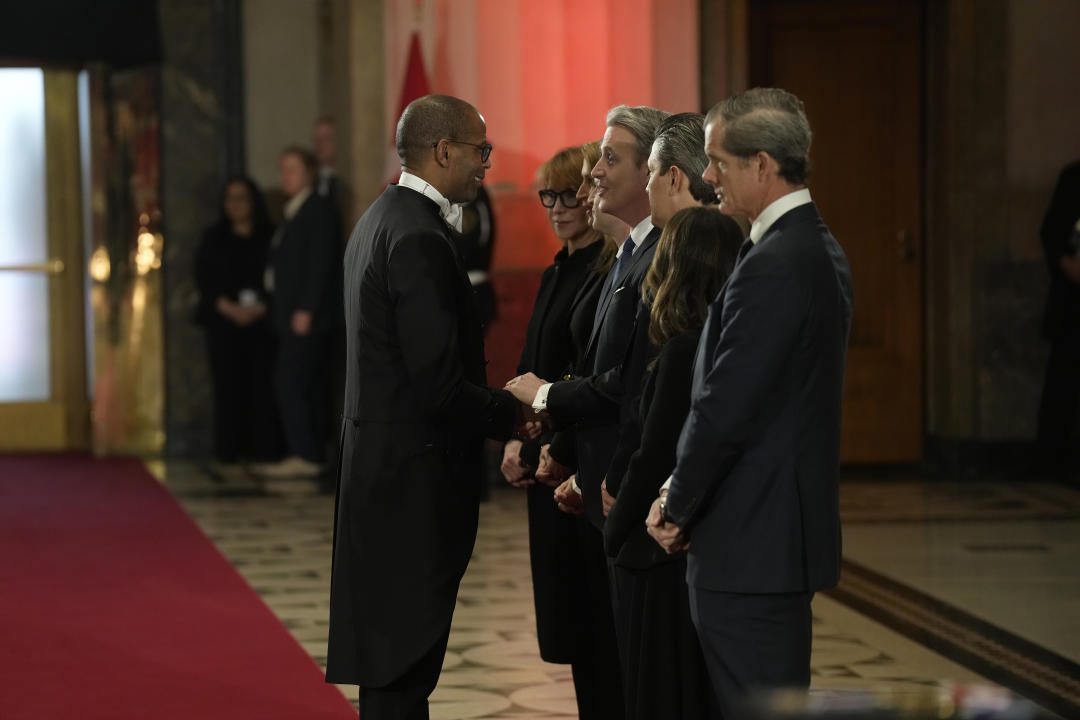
{"x": 49, "y": 267}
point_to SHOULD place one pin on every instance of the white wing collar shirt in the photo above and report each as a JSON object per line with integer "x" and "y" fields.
{"x": 450, "y": 212}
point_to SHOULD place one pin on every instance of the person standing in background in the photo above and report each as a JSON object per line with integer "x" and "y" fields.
{"x": 331, "y": 186}
{"x": 1060, "y": 233}
{"x": 476, "y": 243}
{"x": 328, "y": 183}
{"x": 232, "y": 308}
{"x": 304, "y": 279}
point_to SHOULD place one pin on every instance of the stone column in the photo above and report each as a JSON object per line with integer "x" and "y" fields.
{"x": 201, "y": 144}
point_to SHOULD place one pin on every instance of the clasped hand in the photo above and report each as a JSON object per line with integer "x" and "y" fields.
{"x": 668, "y": 535}
{"x": 240, "y": 315}
{"x": 516, "y": 472}
{"x": 551, "y": 472}
{"x": 568, "y": 499}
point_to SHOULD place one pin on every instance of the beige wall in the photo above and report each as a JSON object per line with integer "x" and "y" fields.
{"x": 1003, "y": 121}
{"x": 281, "y": 80}
{"x": 1043, "y": 110}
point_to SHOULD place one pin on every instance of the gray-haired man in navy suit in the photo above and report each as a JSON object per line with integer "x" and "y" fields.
{"x": 754, "y": 492}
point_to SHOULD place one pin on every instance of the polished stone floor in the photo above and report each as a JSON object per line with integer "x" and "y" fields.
{"x": 983, "y": 573}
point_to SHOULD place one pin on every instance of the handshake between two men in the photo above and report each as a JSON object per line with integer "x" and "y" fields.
{"x": 552, "y": 473}
{"x": 549, "y": 471}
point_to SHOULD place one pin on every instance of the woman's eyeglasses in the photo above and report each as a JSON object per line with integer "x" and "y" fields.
{"x": 568, "y": 198}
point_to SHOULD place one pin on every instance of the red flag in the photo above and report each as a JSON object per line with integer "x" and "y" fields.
{"x": 416, "y": 83}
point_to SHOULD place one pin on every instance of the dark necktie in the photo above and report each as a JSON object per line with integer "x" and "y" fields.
{"x": 615, "y": 277}
{"x": 745, "y": 248}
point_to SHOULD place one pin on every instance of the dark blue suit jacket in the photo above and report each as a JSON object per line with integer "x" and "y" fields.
{"x": 307, "y": 268}
{"x": 617, "y": 354}
{"x": 755, "y": 485}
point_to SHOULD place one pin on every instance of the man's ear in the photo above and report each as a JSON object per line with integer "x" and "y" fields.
{"x": 677, "y": 181}
{"x": 442, "y": 153}
{"x": 766, "y": 164}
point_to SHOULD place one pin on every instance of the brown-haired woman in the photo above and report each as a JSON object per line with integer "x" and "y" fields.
{"x": 663, "y": 669}
{"x": 571, "y": 627}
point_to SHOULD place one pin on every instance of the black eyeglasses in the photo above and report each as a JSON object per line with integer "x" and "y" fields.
{"x": 569, "y": 198}
{"x": 485, "y": 149}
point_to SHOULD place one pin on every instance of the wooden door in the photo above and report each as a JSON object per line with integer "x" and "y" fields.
{"x": 43, "y": 403}
{"x": 857, "y": 67}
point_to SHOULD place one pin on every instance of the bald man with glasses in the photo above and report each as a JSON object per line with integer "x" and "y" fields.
{"x": 416, "y": 411}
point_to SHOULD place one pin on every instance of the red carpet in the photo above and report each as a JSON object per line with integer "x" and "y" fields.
{"x": 114, "y": 604}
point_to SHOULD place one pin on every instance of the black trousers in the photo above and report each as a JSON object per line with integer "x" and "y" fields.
{"x": 752, "y": 641}
{"x": 1058, "y": 407}
{"x": 598, "y": 681}
{"x": 302, "y": 382}
{"x": 245, "y": 410}
{"x": 406, "y": 697}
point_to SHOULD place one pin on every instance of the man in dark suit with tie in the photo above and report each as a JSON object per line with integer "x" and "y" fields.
{"x": 755, "y": 492}
{"x": 596, "y": 401}
{"x": 416, "y": 410}
{"x": 619, "y": 341}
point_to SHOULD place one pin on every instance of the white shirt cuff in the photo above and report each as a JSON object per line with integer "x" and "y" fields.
{"x": 540, "y": 401}
{"x": 667, "y": 483}
{"x": 574, "y": 485}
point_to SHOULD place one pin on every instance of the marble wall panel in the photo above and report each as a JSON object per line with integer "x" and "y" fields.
{"x": 199, "y": 106}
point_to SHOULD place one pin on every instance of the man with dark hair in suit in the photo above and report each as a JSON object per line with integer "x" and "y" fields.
{"x": 416, "y": 410}
{"x": 755, "y": 490}
{"x": 619, "y": 342}
{"x": 615, "y": 359}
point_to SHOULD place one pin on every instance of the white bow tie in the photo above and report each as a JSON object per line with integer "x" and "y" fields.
{"x": 451, "y": 214}
{"x": 448, "y": 211}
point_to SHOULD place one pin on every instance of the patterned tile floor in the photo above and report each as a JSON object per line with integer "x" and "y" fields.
{"x": 280, "y": 542}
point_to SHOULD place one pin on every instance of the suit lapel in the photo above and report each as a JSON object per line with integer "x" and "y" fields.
{"x": 605, "y": 301}
{"x": 710, "y": 336}
{"x": 638, "y": 259}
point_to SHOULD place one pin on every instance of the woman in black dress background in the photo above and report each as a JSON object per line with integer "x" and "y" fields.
{"x": 664, "y": 672}
{"x": 229, "y": 268}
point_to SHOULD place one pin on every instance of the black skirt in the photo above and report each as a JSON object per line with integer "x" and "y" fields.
{"x": 664, "y": 671}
